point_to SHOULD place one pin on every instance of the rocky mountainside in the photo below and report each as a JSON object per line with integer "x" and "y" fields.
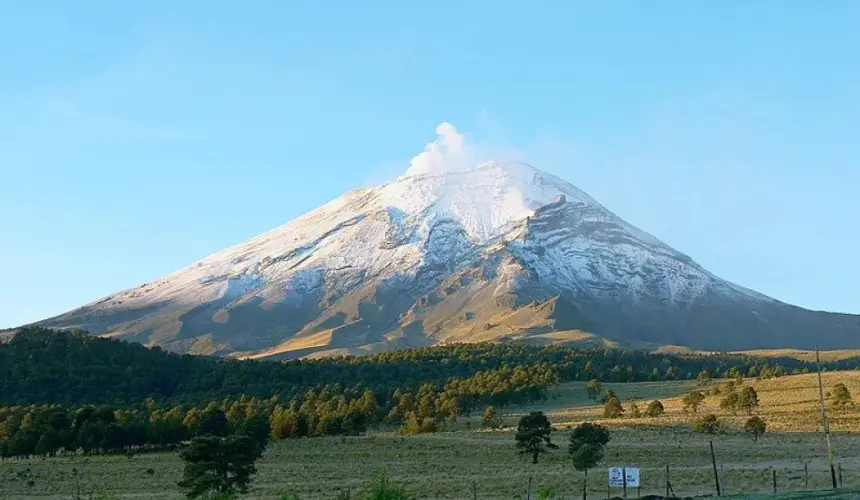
{"x": 487, "y": 252}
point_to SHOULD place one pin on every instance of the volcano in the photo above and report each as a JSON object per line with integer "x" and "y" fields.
{"x": 465, "y": 252}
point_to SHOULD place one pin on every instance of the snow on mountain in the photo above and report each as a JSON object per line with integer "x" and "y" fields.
{"x": 456, "y": 249}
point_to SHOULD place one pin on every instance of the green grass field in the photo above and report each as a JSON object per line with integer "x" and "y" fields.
{"x": 447, "y": 465}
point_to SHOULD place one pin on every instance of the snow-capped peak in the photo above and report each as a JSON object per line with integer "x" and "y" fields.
{"x": 485, "y": 199}
{"x": 453, "y": 180}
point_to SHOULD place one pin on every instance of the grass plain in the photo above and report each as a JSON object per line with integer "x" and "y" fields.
{"x": 448, "y": 464}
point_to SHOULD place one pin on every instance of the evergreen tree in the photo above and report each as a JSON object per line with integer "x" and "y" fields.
{"x": 217, "y": 465}
{"x": 755, "y": 427}
{"x": 593, "y": 388}
{"x": 731, "y": 402}
{"x": 613, "y": 408}
{"x": 213, "y": 423}
{"x": 708, "y": 424}
{"x": 748, "y": 400}
{"x": 587, "y": 443}
{"x": 533, "y": 435}
{"x": 693, "y": 400}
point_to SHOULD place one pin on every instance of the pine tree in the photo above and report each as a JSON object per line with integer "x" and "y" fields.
{"x": 748, "y": 400}
{"x": 587, "y": 443}
{"x": 755, "y": 427}
{"x": 218, "y": 465}
{"x": 613, "y": 408}
{"x": 693, "y": 400}
{"x": 533, "y": 435}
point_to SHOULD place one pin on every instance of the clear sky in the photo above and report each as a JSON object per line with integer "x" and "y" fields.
{"x": 138, "y": 137}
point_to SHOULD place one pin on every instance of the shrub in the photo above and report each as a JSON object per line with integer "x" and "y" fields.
{"x": 841, "y": 396}
{"x": 613, "y": 408}
{"x": 708, "y": 424}
{"x": 693, "y": 400}
{"x": 655, "y": 409}
{"x": 546, "y": 492}
{"x": 383, "y": 488}
{"x": 755, "y": 427}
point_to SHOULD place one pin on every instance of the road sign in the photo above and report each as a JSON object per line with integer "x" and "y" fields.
{"x": 616, "y": 477}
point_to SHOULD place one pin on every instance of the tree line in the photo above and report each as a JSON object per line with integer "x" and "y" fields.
{"x": 70, "y": 367}
{"x": 44, "y": 430}
{"x": 69, "y": 392}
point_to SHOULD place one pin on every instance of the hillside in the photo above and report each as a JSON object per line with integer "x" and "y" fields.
{"x": 45, "y": 366}
{"x": 787, "y": 404}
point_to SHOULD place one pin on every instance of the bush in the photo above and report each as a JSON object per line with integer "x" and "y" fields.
{"x": 708, "y": 424}
{"x": 692, "y": 401}
{"x": 841, "y": 397}
{"x": 755, "y": 427}
{"x": 655, "y": 409}
{"x": 613, "y": 408}
{"x": 546, "y": 492}
{"x": 383, "y": 488}
{"x": 492, "y": 418}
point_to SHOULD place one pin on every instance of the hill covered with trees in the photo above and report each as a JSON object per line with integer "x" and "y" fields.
{"x": 72, "y": 391}
{"x": 70, "y": 367}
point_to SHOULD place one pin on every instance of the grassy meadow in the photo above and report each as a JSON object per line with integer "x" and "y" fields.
{"x": 448, "y": 464}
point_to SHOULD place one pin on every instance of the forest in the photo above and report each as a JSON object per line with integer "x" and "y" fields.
{"x": 63, "y": 391}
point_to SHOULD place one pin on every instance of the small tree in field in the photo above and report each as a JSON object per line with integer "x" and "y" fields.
{"x": 708, "y": 424}
{"x": 613, "y": 408}
{"x": 593, "y": 388}
{"x": 748, "y": 399}
{"x": 655, "y": 409}
{"x": 840, "y": 397}
{"x": 755, "y": 427}
{"x": 533, "y": 435}
{"x": 731, "y": 402}
{"x": 587, "y": 443}
{"x": 215, "y": 465}
{"x": 492, "y": 418}
{"x": 634, "y": 410}
{"x": 704, "y": 378}
{"x": 692, "y": 401}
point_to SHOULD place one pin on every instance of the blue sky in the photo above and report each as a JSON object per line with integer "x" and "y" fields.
{"x": 138, "y": 137}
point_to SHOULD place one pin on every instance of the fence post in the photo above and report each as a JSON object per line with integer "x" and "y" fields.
{"x": 774, "y": 480}
{"x": 624, "y": 481}
{"x": 529, "y": 490}
{"x": 667, "y": 480}
{"x": 474, "y": 490}
{"x": 716, "y": 476}
{"x": 840, "y": 474}
{"x": 806, "y": 476}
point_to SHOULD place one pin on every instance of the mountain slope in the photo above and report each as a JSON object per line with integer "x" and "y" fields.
{"x": 494, "y": 251}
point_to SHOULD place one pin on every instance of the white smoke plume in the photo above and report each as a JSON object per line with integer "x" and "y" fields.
{"x": 448, "y": 153}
